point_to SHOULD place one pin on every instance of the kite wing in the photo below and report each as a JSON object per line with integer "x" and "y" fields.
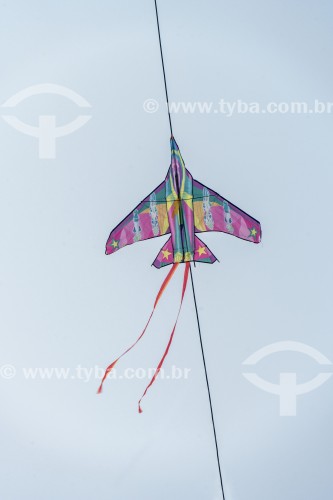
{"x": 212, "y": 212}
{"x": 148, "y": 220}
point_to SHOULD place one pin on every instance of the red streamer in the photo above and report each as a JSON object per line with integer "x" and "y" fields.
{"x": 187, "y": 269}
{"x": 159, "y": 295}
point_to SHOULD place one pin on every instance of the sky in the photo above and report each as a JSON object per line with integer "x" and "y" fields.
{"x": 66, "y": 306}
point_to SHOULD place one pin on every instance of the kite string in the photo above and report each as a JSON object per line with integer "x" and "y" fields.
{"x": 207, "y": 383}
{"x": 195, "y": 301}
{"x": 165, "y": 84}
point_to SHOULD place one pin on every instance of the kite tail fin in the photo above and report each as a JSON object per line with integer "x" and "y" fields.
{"x": 158, "y": 296}
{"x": 160, "y": 364}
{"x": 202, "y": 252}
{"x": 164, "y": 256}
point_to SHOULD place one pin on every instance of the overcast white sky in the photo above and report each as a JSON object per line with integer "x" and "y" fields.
{"x": 64, "y": 303}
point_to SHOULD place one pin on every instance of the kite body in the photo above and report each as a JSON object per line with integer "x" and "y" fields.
{"x": 181, "y": 206}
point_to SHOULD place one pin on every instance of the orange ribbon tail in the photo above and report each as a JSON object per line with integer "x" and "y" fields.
{"x": 159, "y": 295}
{"x": 187, "y": 269}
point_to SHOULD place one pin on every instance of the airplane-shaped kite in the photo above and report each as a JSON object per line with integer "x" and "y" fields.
{"x": 182, "y": 207}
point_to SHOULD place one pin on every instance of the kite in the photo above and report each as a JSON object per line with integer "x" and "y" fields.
{"x": 182, "y": 207}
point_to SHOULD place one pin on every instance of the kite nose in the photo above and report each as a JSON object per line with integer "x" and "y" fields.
{"x": 173, "y": 144}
